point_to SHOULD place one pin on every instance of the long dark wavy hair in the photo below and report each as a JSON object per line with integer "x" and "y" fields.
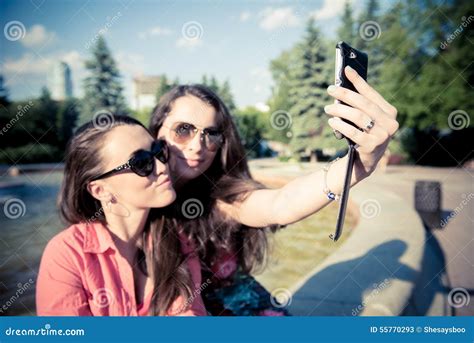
{"x": 76, "y": 205}
{"x": 228, "y": 179}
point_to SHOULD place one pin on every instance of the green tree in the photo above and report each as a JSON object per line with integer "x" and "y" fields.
{"x": 102, "y": 88}
{"x": 4, "y": 100}
{"x": 226, "y": 96}
{"x": 369, "y": 31}
{"x": 310, "y": 76}
{"x": 365, "y": 31}
{"x": 252, "y": 127}
{"x": 222, "y": 90}
{"x": 346, "y": 30}
{"x": 66, "y": 120}
{"x": 46, "y": 130}
{"x": 165, "y": 86}
{"x": 279, "y": 101}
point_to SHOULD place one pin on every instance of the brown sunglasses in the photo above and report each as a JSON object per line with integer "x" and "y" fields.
{"x": 184, "y": 132}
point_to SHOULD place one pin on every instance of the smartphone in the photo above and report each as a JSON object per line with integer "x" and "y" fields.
{"x": 357, "y": 60}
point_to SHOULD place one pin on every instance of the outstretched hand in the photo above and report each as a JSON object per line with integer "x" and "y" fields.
{"x": 370, "y": 112}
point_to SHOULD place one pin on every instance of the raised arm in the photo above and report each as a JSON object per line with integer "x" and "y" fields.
{"x": 305, "y": 195}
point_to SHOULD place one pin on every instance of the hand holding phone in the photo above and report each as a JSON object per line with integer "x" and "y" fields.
{"x": 357, "y": 60}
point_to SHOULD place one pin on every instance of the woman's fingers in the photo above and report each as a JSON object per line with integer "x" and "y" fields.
{"x": 367, "y": 103}
{"x": 356, "y": 100}
{"x": 359, "y": 118}
{"x": 366, "y": 90}
{"x": 366, "y": 142}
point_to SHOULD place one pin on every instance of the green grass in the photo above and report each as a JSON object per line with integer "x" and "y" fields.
{"x": 297, "y": 249}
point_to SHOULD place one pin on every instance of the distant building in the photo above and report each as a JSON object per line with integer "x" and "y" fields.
{"x": 60, "y": 81}
{"x": 144, "y": 92}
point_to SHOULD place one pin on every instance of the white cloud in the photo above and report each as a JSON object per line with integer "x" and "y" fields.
{"x": 261, "y": 79}
{"x": 330, "y": 9}
{"x": 155, "y": 32}
{"x": 260, "y": 73}
{"x": 244, "y": 16}
{"x": 188, "y": 43}
{"x": 36, "y": 68}
{"x": 261, "y": 106}
{"x": 38, "y": 36}
{"x": 73, "y": 58}
{"x": 130, "y": 66}
{"x": 33, "y": 69}
{"x": 274, "y": 18}
{"x": 28, "y": 64}
{"x": 32, "y": 64}
{"x": 130, "y": 63}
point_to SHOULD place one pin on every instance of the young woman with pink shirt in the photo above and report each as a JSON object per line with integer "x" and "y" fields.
{"x": 209, "y": 171}
{"x": 117, "y": 258}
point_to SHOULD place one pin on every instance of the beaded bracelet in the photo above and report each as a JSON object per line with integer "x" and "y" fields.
{"x": 329, "y": 194}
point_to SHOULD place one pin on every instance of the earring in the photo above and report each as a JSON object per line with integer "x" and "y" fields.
{"x": 108, "y": 204}
{"x": 119, "y": 209}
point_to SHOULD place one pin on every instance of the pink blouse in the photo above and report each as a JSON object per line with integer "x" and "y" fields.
{"x": 83, "y": 274}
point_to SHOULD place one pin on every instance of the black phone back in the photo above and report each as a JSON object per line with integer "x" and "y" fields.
{"x": 348, "y": 56}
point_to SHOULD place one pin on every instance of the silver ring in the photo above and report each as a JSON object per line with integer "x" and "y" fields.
{"x": 369, "y": 125}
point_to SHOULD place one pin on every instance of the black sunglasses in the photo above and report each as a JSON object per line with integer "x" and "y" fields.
{"x": 142, "y": 162}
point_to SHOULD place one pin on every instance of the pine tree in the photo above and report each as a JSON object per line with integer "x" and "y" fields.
{"x": 102, "y": 88}
{"x": 370, "y": 29}
{"x": 164, "y": 86}
{"x": 226, "y": 96}
{"x": 47, "y": 109}
{"x": 213, "y": 84}
{"x": 346, "y": 30}
{"x": 279, "y": 101}
{"x": 310, "y": 77}
{"x": 369, "y": 14}
{"x": 223, "y": 91}
{"x": 4, "y": 101}
{"x": 66, "y": 120}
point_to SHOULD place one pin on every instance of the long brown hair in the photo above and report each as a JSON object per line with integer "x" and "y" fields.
{"x": 76, "y": 205}
{"x": 228, "y": 179}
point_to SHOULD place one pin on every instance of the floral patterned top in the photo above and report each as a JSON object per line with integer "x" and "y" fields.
{"x": 232, "y": 292}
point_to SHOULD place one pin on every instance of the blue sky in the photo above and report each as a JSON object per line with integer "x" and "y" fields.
{"x": 234, "y": 40}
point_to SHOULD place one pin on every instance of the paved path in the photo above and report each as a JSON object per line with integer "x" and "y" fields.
{"x": 391, "y": 264}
